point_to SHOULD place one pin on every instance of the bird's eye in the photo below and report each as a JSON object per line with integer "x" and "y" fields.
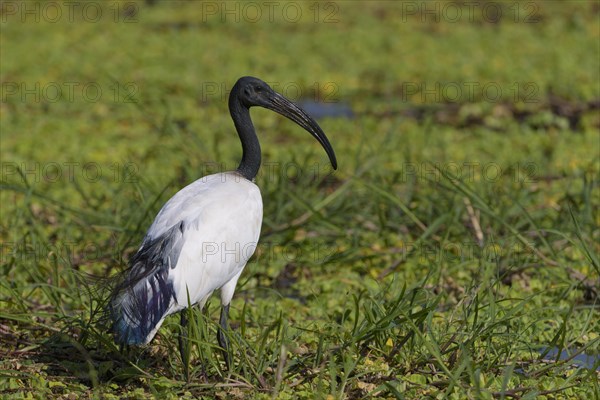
{"x": 258, "y": 89}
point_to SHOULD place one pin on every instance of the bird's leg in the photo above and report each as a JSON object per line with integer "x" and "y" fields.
{"x": 184, "y": 344}
{"x": 221, "y": 337}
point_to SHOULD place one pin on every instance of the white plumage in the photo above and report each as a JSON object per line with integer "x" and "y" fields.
{"x": 222, "y": 214}
{"x": 221, "y": 217}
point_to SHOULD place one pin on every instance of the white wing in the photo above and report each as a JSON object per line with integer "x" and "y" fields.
{"x": 223, "y": 217}
{"x": 200, "y": 240}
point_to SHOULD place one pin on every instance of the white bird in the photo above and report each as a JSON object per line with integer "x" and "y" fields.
{"x": 202, "y": 238}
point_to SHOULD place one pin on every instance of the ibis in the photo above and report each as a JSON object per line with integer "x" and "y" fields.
{"x": 202, "y": 238}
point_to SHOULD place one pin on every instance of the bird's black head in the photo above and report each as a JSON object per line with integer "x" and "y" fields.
{"x": 254, "y": 92}
{"x": 250, "y": 91}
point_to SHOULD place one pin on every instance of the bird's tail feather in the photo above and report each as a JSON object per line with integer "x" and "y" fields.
{"x": 137, "y": 309}
{"x": 143, "y": 296}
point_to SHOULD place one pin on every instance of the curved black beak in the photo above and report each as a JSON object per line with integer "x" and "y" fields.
{"x": 283, "y": 106}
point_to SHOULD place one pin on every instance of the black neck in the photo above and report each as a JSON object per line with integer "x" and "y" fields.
{"x": 251, "y": 147}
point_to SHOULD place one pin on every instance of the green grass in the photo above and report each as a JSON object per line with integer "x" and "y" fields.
{"x": 455, "y": 247}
